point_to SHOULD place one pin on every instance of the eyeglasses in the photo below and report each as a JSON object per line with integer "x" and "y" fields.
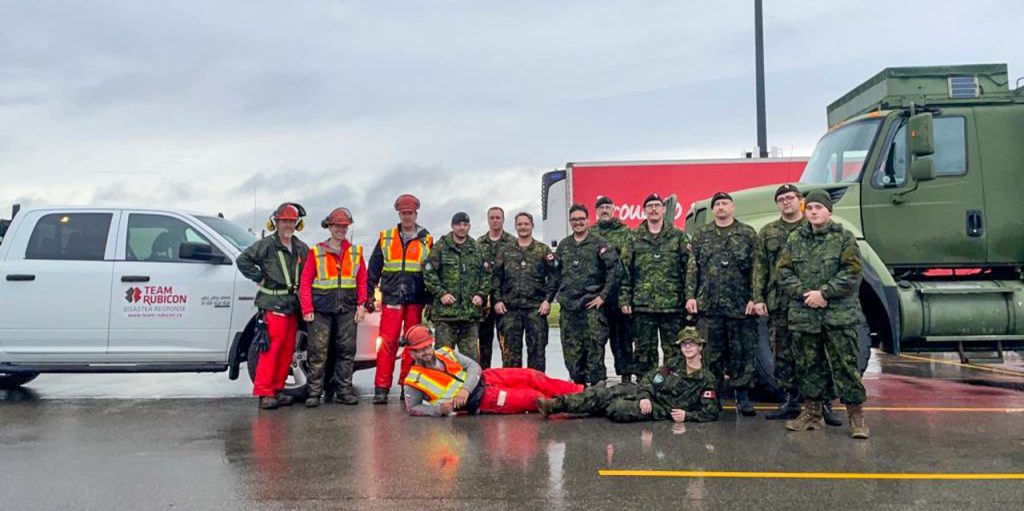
{"x": 786, "y": 198}
{"x": 578, "y": 220}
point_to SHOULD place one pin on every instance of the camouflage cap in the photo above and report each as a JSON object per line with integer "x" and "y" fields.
{"x": 690, "y": 334}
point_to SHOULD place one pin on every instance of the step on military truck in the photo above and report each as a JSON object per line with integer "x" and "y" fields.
{"x": 925, "y": 166}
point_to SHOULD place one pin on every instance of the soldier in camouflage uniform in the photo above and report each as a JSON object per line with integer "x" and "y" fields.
{"x": 609, "y": 227}
{"x": 653, "y": 288}
{"x": 681, "y": 390}
{"x": 588, "y": 272}
{"x": 718, "y": 280}
{"x": 524, "y": 287}
{"x": 490, "y": 242}
{"x": 454, "y": 274}
{"x": 769, "y": 302}
{"x": 820, "y": 273}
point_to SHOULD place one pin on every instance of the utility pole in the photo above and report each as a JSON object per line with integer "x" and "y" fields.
{"x": 762, "y": 131}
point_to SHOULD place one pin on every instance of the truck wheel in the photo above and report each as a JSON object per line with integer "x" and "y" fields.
{"x": 863, "y": 346}
{"x": 767, "y": 387}
{"x": 15, "y": 380}
{"x": 295, "y": 385}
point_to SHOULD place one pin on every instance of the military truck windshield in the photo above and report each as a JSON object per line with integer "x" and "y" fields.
{"x": 238, "y": 236}
{"x": 839, "y": 156}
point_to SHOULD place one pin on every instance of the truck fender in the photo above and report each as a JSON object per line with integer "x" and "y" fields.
{"x": 239, "y": 351}
{"x": 879, "y": 299}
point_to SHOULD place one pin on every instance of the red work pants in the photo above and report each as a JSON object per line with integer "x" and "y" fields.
{"x": 516, "y": 390}
{"x": 272, "y": 369}
{"x": 394, "y": 321}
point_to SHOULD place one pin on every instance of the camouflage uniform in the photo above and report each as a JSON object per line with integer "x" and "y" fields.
{"x": 826, "y": 339}
{"x": 668, "y": 387}
{"x": 718, "y": 276}
{"x": 654, "y": 285}
{"x": 523, "y": 278}
{"x": 585, "y": 270}
{"x": 490, "y": 321}
{"x": 770, "y": 242}
{"x": 619, "y": 324}
{"x": 458, "y": 270}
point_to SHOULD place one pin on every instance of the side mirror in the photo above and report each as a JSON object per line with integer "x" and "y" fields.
{"x": 922, "y": 169}
{"x": 199, "y": 252}
{"x": 922, "y": 137}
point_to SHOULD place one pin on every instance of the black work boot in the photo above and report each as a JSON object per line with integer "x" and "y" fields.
{"x": 284, "y": 399}
{"x": 268, "y": 403}
{"x": 789, "y": 409}
{"x": 743, "y": 404}
{"x": 346, "y": 398}
{"x": 830, "y": 415}
{"x": 380, "y": 396}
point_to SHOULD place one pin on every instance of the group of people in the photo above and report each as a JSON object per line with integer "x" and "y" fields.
{"x": 629, "y": 288}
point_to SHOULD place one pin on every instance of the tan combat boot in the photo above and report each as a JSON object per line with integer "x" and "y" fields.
{"x": 857, "y": 427}
{"x": 809, "y": 418}
{"x": 548, "y": 407}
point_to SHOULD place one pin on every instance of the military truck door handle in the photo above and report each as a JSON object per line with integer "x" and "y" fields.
{"x": 974, "y": 223}
{"x": 21, "y": 278}
{"x": 135, "y": 278}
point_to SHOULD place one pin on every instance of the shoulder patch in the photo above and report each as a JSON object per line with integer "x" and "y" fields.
{"x": 708, "y": 394}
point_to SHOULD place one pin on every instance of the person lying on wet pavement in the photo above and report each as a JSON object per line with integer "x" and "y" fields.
{"x": 443, "y": 382}
{"x": 682, "y": 390}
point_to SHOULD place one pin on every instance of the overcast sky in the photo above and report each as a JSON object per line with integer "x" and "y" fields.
{"x": 236, "y": 106}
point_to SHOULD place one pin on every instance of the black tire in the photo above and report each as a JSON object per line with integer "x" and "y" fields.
{"x": 767, "y": 386}
{"x": 15, "y": 380}
{"x": 863, "y": 346}
{"x": 296, "y": 385}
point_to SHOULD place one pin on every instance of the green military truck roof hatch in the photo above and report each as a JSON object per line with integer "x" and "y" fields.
{"x": 898, "y": 87}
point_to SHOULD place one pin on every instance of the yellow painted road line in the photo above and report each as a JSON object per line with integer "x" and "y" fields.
{"x": 811, "y": 475}
{"x": 961, "y": 364}
{"x": 951, "y": 409}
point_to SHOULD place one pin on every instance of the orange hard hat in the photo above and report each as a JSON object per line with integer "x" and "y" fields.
{"x": 407, "y": 202}
{"x": 287, "y": 211}
{"x": 340, "y": 216}
{"x": 418, "y": 336}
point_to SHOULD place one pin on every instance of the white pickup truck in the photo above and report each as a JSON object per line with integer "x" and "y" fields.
{"x": 104, "y": 290}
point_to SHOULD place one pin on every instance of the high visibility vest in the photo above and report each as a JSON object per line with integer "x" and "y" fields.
{"x": 408, "y": 258}
{"x": 290, "y": 281}
{"x": 333, "y": 272}
{"x": 438, "y": 384}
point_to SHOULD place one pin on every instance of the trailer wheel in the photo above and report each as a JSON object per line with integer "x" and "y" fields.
{"x": 10, "y": 381}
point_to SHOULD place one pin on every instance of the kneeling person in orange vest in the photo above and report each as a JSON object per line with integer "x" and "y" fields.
{"x": 442, "y": 382}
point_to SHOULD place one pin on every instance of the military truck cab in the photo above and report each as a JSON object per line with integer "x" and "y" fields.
{"x": 926, "y": 166}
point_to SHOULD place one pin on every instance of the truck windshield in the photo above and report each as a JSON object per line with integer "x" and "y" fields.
{"x": 236, "y": 235}
{"x": 839, "y": 156}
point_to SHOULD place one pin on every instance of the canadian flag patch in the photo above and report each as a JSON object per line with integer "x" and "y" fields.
{"x": 708, "y": 394}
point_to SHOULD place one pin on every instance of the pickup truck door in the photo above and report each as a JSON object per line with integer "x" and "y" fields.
{"x": 55, "y": 283}
{"x": 165, "y": 307}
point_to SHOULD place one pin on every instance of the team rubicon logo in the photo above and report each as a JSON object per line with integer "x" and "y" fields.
{"x": 154, "y": 295}
{"x": 133, "y": 295}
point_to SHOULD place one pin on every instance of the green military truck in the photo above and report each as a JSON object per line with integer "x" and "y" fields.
{"x": 925, "y": 165}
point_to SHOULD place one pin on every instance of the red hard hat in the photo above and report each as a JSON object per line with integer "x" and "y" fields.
{"x": 418, "y": 336}
{"x": 340, "y": 216}
{"x": 407, "y": 202}
{"x": 287, "y": 211}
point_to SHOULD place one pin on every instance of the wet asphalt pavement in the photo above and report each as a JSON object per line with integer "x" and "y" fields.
{"x": 198, "y": 442}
